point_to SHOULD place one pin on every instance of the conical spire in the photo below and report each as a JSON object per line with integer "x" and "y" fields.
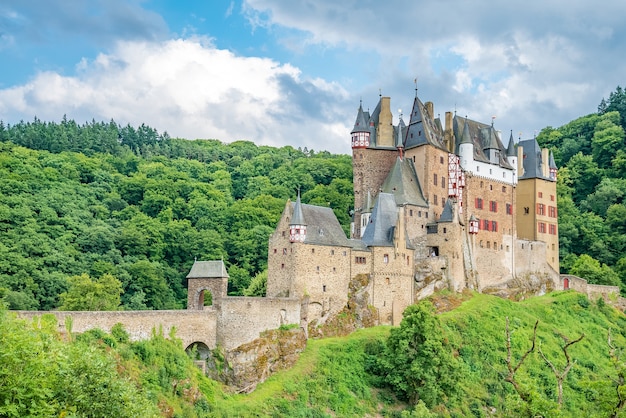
{"x": 360, "y": 124}
{"x": 298, "y": 217}
{"x": 297, "y": 226}
{"x": 510, "y": 150}
{"x": 552, "y": 163}
{"x": 465, "y": 136}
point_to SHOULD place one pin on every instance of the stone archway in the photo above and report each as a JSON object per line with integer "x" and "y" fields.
{"x": 198, "y": 350}
{"x": 204, "y": 297}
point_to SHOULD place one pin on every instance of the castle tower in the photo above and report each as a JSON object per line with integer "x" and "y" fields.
{"x": 373, "y": 153}
{"x": 203, "y": 276}
{"x": 536, "y": 204}
{"x": 297, "y": 226}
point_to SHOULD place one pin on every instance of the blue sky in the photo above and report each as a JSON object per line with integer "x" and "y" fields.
{"x": 292, "y": 72}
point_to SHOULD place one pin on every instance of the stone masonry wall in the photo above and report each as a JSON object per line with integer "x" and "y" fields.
{"x": 191, "y": 325}
{"x": 242, "y": 319}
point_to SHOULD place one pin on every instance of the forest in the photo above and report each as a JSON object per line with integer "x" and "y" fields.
{"x": 120, "y": 213}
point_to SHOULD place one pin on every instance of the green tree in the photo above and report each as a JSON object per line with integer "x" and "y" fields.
{"x": 86, "y": 294}
{"x": 418, "y": 361}
{"x": 607, "y": 139}
{"x": 590, "y": 269}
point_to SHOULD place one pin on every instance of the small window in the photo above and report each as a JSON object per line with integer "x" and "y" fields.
{"x": 275, "y": 251}
{"x": 435, "y": 179}
{"x": 323, "y": 288}
{"x": 440, "y": 160}
{"x": 284, "y": 251}
{"x": 386, "y": 258}
{"x": 312, "y": 250}
{"x": 332, "y": 252}
{"x": 317, "y": 268}
{"x": 282, "y": 266}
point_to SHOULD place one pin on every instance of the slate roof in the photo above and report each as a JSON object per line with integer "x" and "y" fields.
{"x": 423, "y": 129}
{"x": 379, "y": 232}
{"x": 532, "y": 160}
{"x": 448, "y": 212}
{"x": 298, "y": 216}
{"x": 510, "y": 150}
{"x": 369, "y": 204}
{"x": 483, "y": 137}
{"x": 207, "y": 270}
{"x": 323, "y": 228}
{"x": 402, "y": 182}
{"x": 360, "y": 125}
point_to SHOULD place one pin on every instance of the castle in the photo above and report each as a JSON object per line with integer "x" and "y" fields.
{"x": 436, "y": 205}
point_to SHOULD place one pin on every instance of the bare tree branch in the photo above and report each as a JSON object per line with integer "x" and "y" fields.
{"x": 512, "y": 370}
{"x": 560, "y": 376}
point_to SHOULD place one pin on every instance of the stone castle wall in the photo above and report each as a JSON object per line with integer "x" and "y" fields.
{"x": 243, "y": 319}
{"x": 191, "y": 325}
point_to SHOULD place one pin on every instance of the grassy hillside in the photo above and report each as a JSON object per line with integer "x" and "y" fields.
{"x": 337, "y": 376}
{"x": 331, "y": 378}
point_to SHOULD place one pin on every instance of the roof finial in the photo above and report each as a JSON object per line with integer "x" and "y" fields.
{"x": 415, "y": 81}
{"x": 380, "y": 93}
{"x": 493, "y": 118}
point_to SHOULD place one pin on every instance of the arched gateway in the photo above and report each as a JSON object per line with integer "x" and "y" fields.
{"x": 203, "y": 276}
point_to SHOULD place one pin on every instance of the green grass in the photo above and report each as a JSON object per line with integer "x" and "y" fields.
{"x": 330, "y": 379}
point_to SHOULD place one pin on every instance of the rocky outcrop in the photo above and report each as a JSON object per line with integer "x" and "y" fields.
{"x": 250, "y": 364}
{"x": 523, "y": 287}
{"x": 356, "y": 314}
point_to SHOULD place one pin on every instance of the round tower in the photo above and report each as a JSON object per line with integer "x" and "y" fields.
{"x": 466, "y": 147}
{"x": 361, "y": 132}
{"x": 297, "y": 226}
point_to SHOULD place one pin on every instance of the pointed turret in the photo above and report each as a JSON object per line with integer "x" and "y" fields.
{"x": 510, "y": 150}
{"x": 366, "y": 212}
{"x": 297, "y": 226}
{"x": 511, "y": 156}
{"x": 552, "y": 166}
{"x": 400, "y": 137}
{"x": 466, "y": 147}
{"x": 473, "y": 225}
{"x": 361, "y": 132}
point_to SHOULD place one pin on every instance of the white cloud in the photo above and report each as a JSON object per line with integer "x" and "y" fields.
{"x": 192, "y": 90}
{"x": 533, "y": 63}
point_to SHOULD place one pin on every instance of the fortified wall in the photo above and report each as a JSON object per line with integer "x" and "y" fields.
{"x": 228, "y": 323}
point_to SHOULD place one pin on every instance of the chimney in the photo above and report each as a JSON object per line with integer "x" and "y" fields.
{"x": 430, "y": 109}
{"x": 385, "y": 123}
{"x": 545, "y": 162}
{"x": 448, "y": 134}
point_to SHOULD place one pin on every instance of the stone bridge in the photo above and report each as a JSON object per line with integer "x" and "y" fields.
{"x": 228, "y": 323}
{"x": 191, "y": 326}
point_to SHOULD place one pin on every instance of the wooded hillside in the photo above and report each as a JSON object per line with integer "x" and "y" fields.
{"x": 94, "y": 209}
{"x": 100, "y": 209}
